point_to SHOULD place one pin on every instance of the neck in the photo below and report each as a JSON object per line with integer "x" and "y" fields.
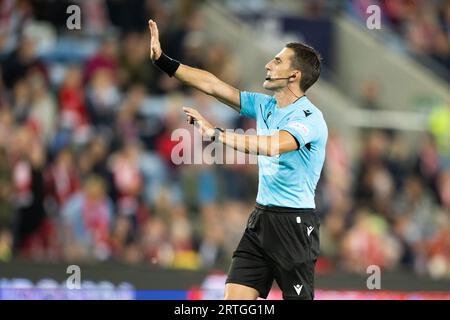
{"x": 286, "y": 97}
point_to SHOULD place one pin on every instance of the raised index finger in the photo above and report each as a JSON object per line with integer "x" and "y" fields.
{"x": 188, "y": 109}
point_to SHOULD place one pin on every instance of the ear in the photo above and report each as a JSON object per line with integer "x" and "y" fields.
{"x": 296, "y": 75}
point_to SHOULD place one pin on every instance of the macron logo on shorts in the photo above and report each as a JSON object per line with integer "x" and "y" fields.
{"x": 298, "y": 288}
{"x": 309, "y": 230}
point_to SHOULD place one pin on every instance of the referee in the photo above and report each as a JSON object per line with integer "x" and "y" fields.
{"x": 281, "y": 239}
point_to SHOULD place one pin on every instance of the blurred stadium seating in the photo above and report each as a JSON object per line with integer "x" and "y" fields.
{"x": 86, "y": 175}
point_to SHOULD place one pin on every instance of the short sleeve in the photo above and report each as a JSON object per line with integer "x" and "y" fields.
{"x": 248, "y": 103}
{"x": 303, "y": 130}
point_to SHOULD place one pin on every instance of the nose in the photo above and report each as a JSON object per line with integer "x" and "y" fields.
{"x": 267, "y": 66}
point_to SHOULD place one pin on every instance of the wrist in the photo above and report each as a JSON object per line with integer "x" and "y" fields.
{"x": 167, "y": 64}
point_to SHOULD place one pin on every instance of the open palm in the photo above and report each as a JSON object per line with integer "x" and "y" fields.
{"x": 155, "y": 45}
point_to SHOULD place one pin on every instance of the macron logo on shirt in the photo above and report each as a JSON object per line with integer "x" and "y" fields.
{"x": 307, "y": 113}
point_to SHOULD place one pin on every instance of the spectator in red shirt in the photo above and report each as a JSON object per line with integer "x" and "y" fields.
{"x": 105, "y": 58}
{"x": 73, "y": 114}
{"x": 62, "y": 179}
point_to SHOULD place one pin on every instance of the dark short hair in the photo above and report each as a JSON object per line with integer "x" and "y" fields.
{"x": 308, "y": 61}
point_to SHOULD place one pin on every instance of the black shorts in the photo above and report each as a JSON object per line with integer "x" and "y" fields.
{"x": 278, "y": 243}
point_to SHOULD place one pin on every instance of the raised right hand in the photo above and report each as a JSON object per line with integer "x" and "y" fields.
{"x": 155, "y": 46}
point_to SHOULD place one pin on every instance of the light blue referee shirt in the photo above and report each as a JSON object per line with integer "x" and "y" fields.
{"x": 289, "y": 179}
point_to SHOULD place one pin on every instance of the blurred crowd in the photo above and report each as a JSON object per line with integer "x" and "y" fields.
{"x": 391, "y": 208}
{"x": 423, "y": 24}
{"x": 419, "y": 27}
{"x": 85, "y": 154}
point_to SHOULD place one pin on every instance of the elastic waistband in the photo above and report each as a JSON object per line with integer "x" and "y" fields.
{"x": 277, "y": 209}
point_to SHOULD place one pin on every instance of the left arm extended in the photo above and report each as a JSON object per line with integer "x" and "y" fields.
{"x": 278, "y": 143}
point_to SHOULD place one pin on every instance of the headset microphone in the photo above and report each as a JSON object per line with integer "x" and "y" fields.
{"x": 291, "y": 76}
{"x": 270, "y": 79}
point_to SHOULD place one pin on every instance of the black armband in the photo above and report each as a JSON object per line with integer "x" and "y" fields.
{"x": 166, "y": 64}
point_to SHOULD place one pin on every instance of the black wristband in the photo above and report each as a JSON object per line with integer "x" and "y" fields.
{"x": 166, "y": 64}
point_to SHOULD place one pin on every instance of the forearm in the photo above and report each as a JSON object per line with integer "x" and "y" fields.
{"x": 196, "y": 78}
{"x": 252, "y": 144}
{"x": 201, "y": 80}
